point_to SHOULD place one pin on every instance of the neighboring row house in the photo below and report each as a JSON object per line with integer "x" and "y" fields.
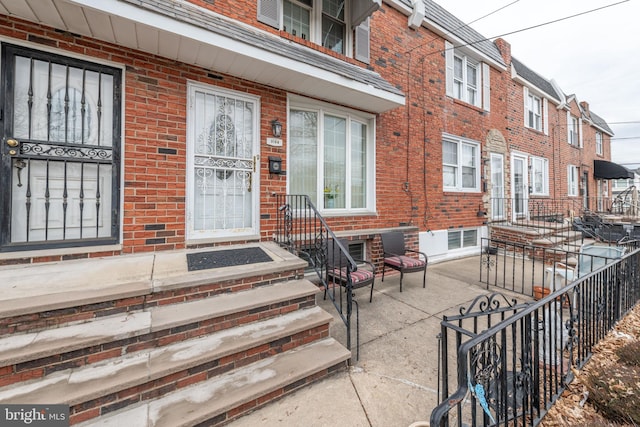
{"x": 151, "y": 128}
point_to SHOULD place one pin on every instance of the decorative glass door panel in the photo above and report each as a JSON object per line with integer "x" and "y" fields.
{"x": 223, "y": 188}
{"x": 60, "y": 151}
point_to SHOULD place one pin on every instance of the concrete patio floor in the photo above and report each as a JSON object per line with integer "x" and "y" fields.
{"x": 394, "y": 383}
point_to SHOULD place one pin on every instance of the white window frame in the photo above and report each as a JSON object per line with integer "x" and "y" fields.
{"x": 533, "y": 116}
{"x": 574, "y": 130}
{"x": 599, "y": 149}
{"x": 460, "y": 143}
{"x": 462, "y": 232}
{"x": 481, "y": 87}
{"x": 572, "y": 180}
{"x": 539, "y": 164}
{"x": 352, "y": 116}
{"x": 315, "y": 24}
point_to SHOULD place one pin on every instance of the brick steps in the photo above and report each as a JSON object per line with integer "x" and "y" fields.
{"x": 220, "y": 399}
{"x": 101, "y": 355}
{"x": 189, "y": 357}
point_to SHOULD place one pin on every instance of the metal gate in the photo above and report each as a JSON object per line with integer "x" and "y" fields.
{"x": 60, "y": 155}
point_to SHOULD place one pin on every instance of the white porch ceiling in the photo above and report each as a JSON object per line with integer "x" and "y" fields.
{"x": 139, "y": 28}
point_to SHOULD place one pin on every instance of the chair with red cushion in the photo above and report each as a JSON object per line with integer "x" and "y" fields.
{"x": 338, "y": 271}
{"x": 395, "y": 257}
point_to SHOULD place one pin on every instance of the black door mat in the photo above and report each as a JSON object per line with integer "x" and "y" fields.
{"x": 226, "y": 258}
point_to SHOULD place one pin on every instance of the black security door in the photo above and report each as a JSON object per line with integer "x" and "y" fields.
{"x": 60, "y": 153}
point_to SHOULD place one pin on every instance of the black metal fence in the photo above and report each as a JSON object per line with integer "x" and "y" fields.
{"x": 512, "y": 361}
{"x": 528, "y": 269}
{"x": 304, "y": 232}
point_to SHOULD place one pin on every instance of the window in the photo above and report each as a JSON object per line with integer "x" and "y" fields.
{"x": 460, "y": 165}
{"x": 539, "y": 176}
{"x": 467, "y": 79}
{"x": 339, "y": 25}
{"x": 296, "y": 17}
{"x": 599, "y": 143}
{"x": 574, "y": 131}
{"x": 534, "y": 112}
{"x": 622, "y": 184}
{"x": 333, "y": 25}
{"x": 331, "y": 157}
{"x": 459, "y": 239}
{"x": 572, "y": 177}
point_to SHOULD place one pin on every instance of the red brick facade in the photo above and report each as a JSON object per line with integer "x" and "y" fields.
{"x": 409, "y": 171}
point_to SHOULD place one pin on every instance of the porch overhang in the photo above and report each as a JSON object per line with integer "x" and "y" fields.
{"x": 604, "y": 169}
{"x": 193, "y": 35}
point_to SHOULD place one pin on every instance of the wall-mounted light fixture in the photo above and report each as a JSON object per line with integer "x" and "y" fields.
{"x": 276, "y": 128}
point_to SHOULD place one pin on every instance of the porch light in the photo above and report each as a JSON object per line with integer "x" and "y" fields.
{"x": 276, "y": 128}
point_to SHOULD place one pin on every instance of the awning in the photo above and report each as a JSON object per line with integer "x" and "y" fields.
{"x": 608, "y": 170}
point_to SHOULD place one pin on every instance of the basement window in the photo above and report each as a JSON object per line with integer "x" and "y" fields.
{"x": 459, "y": 239}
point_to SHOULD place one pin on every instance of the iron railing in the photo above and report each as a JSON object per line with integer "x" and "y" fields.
{"x": 304, "y": 232}
{"x": 525, "y": 268}
{"x": 513, "y": 371}
{"x": 626, "y": 203}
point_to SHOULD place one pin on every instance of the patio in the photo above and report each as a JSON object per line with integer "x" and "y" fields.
{"x": 395, "y": 381}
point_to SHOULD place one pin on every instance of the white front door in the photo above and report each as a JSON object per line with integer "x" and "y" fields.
{"x": 222, "y": 147}
{"x": 520, "y": 186}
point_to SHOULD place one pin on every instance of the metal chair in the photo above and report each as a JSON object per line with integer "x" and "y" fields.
{"x": 395, "y": 257}
{"x": 339, "y": 271}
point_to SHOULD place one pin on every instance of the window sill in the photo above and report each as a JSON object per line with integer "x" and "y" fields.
{"x": 333, "y": 213}
{"x": 468, "y": 105}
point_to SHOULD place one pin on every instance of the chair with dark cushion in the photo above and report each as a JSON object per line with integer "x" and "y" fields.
{"x": 395, "y": 257}
{"x": 337, "y": 264}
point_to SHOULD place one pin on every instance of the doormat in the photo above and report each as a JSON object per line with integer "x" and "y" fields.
{"x": 226, "y": 258}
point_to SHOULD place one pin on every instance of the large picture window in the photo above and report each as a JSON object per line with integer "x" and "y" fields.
{"x": 331, "y": 157}
{"x": 460, "y": 165}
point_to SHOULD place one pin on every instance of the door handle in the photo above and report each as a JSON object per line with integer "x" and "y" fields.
{"x": 250, "y": 182}
{"x": 12, "y": 143}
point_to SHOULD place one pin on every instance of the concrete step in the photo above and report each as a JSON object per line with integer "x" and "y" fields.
{"x": 227, "y": 396}
{"x": 47, "y": 287}
{"x": 257, "y": 303}
{"x": 89, "y": 382}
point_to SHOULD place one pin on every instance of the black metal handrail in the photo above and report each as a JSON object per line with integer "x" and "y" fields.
{"x": 511, "y": 372}
{"x": 305, "y": 233}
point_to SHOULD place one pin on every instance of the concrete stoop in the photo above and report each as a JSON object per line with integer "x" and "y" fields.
{"x": 172, "y": 348}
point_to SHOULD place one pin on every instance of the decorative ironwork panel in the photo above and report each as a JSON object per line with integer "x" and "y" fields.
{"x": 62, "y": 123}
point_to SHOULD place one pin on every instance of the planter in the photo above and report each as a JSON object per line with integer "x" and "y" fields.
{"x": 540, "y": 292}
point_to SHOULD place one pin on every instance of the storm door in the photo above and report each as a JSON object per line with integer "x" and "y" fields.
{"x": 520, "y": 186}
{"x": 60, "y": 154}
{"x": 497, "y": 186}
{"x": 222, "y": 180}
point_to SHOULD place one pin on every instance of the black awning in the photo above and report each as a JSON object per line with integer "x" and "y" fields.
{"x": 608, "y": 170}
